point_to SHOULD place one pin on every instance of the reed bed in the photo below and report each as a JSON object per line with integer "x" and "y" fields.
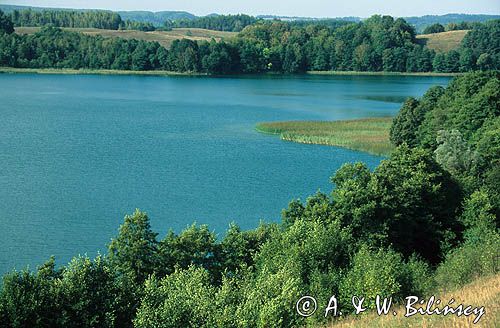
{"x": 369, "y": 135}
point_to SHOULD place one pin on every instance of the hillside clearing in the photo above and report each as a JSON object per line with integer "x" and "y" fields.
{"x": 165, "y": 38}
{"x": 442, "y": 42}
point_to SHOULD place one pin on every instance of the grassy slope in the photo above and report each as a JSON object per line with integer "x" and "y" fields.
{"x": 482, "y": 292}
{"x": 369, "y": 135}
{"x": 442, "y": 42}
{"x": 165, "y": 38}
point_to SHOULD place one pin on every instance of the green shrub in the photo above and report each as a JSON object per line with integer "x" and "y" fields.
{"x": 471, "y": 260}
{"x": 373, "y": 273}
{"x": 182, "y": 299}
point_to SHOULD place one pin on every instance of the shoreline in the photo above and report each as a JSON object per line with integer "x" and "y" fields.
{"x": 69, "y": 71}
{"x": 382, "y": 73}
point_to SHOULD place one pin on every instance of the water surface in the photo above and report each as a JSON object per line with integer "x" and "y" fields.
{"x": 78, "y": 152}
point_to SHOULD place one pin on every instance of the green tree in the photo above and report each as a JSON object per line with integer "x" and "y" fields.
{"x": 194, "y": 246}
{"x": 409, "y": 202}
{"x": 478, "y": 216}
{"x": 88, "y": 294}
{"x": 269, "y": 300}
{"x": 439, "y": 63}
{"x": 406, "y": 123}
{"x": 140, "y": 58}
{"x": 30, "y": 299}
{"x": 373, "y": 273}
{"x": 434, "y": 28}
{"x": 455, "y": 155}
{"x": 6, "y": 25}
{"x": 182, "y": 299}
{"x": 134, "y": 251}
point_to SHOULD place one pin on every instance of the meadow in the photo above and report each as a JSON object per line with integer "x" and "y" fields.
{"x": 442, "y": 42}
{"x": 369, "y": 135}
{"x": 165, "y": 38}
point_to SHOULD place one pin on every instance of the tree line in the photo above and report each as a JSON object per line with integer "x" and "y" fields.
{"x": 230, "y": 23}
{"x": 439, "y": 28}
{"x": 67, "y": 18}
{"x": 379, "y": 43}
{"x": 113, "y": 21}
{"x": 425, "y": 219}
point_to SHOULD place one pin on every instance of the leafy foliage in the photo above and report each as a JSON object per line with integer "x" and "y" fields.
{"x": 67, "y": 18}
{"x": 231, "y": 23}
{"x": 434, "y": 28}
{"x": 6, "y": 25}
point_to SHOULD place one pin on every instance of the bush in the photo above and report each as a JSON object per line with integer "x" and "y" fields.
{"x": 182, "y": 299}
{"x": 434, "y": 28}
{"x": 383, "y": 272}
{"x": 269, "y": 299}
{"x": 470, "y": 261}
{"x": 373, "y": 273}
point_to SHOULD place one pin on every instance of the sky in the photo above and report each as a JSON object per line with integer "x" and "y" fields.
{"x": 305, "y": 8}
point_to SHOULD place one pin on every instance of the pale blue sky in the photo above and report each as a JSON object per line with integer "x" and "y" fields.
{"x": 313, "y": 8}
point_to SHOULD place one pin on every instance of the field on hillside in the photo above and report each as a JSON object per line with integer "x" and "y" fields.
{"x": 442, "y": 42}
{"x": 482, "y": 292}
{"x": 370, "y": 134}
{"x": 165, "y": 38}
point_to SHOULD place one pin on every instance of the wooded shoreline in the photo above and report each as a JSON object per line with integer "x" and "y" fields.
{"x": 69, "y": 71}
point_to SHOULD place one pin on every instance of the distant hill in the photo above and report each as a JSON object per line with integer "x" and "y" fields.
{"x": 312, "y": 19}
{"x": 10, "y": 8}
{"x": 155, "y": 18}
{"x": 420, "y": 23}
{"x": 159, "y": 18}
{"x": 165, "y": 38}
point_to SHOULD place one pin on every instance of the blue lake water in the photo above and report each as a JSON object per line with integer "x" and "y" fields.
{"x": 78, "y": 152}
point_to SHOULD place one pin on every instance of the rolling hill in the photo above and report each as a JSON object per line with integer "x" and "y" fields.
{"x": 442, "y": 42}
{"x": 155, "y": 18}
{"x": 165, "y": 38}
{"x": 159, "y": 18}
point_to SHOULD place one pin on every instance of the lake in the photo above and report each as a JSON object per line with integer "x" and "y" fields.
{"x": 78, "y": 152}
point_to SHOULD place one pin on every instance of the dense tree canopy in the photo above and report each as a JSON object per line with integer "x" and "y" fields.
{"x": 481, "y": 46}
{"x": 67, "y": 18}
{"x": 231, "y": 23}
{"x": 434, "y": 28}
{"x": 379, "y": 43}
{"x": 6, "y": 25}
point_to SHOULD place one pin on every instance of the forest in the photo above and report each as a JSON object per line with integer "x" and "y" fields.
{"x": 113, "y": 21}
{"x": 67, "y": 18}
{"x": 230, "y": 23}
{"x": 379, "y": 43}
{"x": 426, "y": 219}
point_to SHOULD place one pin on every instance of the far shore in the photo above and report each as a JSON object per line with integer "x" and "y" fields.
{"x": 382, "y": 73}
{"x": 70, "y": 71}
